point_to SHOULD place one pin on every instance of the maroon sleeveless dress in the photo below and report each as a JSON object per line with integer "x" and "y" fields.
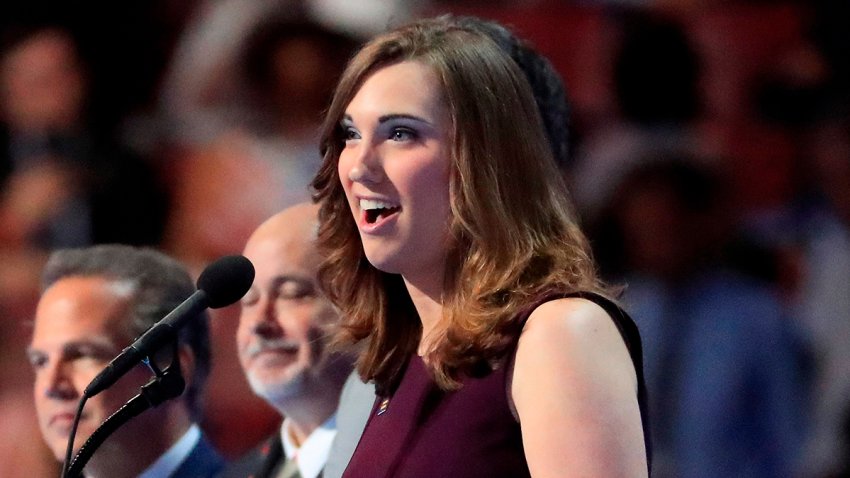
{"x": 421, "y": 431}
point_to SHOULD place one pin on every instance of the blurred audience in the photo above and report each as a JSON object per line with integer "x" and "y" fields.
{"x": 723, "y": 361}
{"x": 260, "y": 148}
{"x": 63, "y": 183}
{"x": 204, "y": 90}
{"x": 655, "y": 79}
{"x": 823, "y": 303}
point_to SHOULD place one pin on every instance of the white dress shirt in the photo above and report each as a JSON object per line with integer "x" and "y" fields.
{"x": 312, "y": 455}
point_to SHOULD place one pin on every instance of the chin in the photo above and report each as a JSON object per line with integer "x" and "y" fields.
{"x": 280, "y": 390}
{"x": 382, "y": 260}
{"x": 58, "y": 444}
{"x": 57, "y": 447}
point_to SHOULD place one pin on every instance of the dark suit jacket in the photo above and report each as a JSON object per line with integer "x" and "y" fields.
{"x": 202, "y": 462}
{"x": 261, "y": 462}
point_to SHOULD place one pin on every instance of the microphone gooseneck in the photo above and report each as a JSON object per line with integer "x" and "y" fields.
{"x": 222, "y": 283}
{"x": 164, "y": 386}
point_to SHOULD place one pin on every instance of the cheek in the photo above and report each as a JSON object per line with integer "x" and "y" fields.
{"x": 327, "y": 317}
{"x": 82, "y": 372}
{"x": 39, "y": 389}
{"x": 243, "y": 334}
{"x": 243, "y": 340}
{"x": 303, "y": 318}
{"x": 129, "y": 385}
{"x": 42, "y": 382}
{"x": 114, "y": 397}
{"x": 430, "y": 184}
{"x": 99, "y": 408}
{"x": 343, "y": 168}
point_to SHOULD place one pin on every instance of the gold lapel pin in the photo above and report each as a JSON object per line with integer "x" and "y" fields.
{"x": 385, "y": 403}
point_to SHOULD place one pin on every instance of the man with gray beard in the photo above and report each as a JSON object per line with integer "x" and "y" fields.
{"x": 282, "y": 343}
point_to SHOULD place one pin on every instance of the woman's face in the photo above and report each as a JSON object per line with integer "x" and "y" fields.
{"x": 395, "y": 169}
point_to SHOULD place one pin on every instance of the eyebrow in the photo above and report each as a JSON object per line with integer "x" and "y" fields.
{"x": 390, "y": 117}
{"x": 97, "y": 346}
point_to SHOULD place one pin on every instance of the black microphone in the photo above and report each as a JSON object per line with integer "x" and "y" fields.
{"x": 222, "y": 283}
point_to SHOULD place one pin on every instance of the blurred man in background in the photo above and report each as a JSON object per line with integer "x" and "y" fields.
{"x": 94, "y": 302}
{"x": 282, "y": 342}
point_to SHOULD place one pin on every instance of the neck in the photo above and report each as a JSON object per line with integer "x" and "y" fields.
{"x": 141, "y": 442}
{"x": 307, "y": 411}
{"x": 306, "y": 416}
{"x": 429, "y": 306}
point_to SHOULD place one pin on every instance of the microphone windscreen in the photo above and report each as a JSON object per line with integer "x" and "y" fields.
{"x": 226, "y": 280}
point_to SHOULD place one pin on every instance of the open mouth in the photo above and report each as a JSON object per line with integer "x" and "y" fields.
{"x": 377, "y": 210}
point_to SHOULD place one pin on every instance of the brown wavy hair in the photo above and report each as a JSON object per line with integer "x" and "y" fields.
{"x": 514, "y": 235}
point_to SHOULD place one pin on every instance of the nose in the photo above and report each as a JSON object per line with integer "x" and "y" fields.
{"x": 59, "y": 383}
{"x": 264, "y": 318}
{"x": 366, "y": 166}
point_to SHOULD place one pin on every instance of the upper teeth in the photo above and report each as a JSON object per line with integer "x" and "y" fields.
{"x": 367, "y": 204}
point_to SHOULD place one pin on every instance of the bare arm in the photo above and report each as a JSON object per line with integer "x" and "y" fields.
{"x": 574, "y": 387}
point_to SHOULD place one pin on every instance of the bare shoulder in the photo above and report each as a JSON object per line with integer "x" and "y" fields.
{"x": 575, "y": 390}
{"x": 572, "y": 324}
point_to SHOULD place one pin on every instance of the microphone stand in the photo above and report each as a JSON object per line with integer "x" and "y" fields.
{"x": 165, "y": 385}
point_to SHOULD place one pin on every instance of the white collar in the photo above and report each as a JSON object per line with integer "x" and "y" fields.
{"x": 169, "y": 461}
{"x": 313, "y": 453}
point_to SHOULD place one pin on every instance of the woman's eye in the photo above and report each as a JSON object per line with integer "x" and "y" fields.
{"x": 403, "y": 134}
{"x": 350, "y": 134}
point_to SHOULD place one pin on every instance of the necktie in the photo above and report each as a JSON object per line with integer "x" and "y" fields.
{"x": 289, "y": 470}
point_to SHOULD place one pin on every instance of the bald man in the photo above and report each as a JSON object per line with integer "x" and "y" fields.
{"x": 282, "y": 343}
